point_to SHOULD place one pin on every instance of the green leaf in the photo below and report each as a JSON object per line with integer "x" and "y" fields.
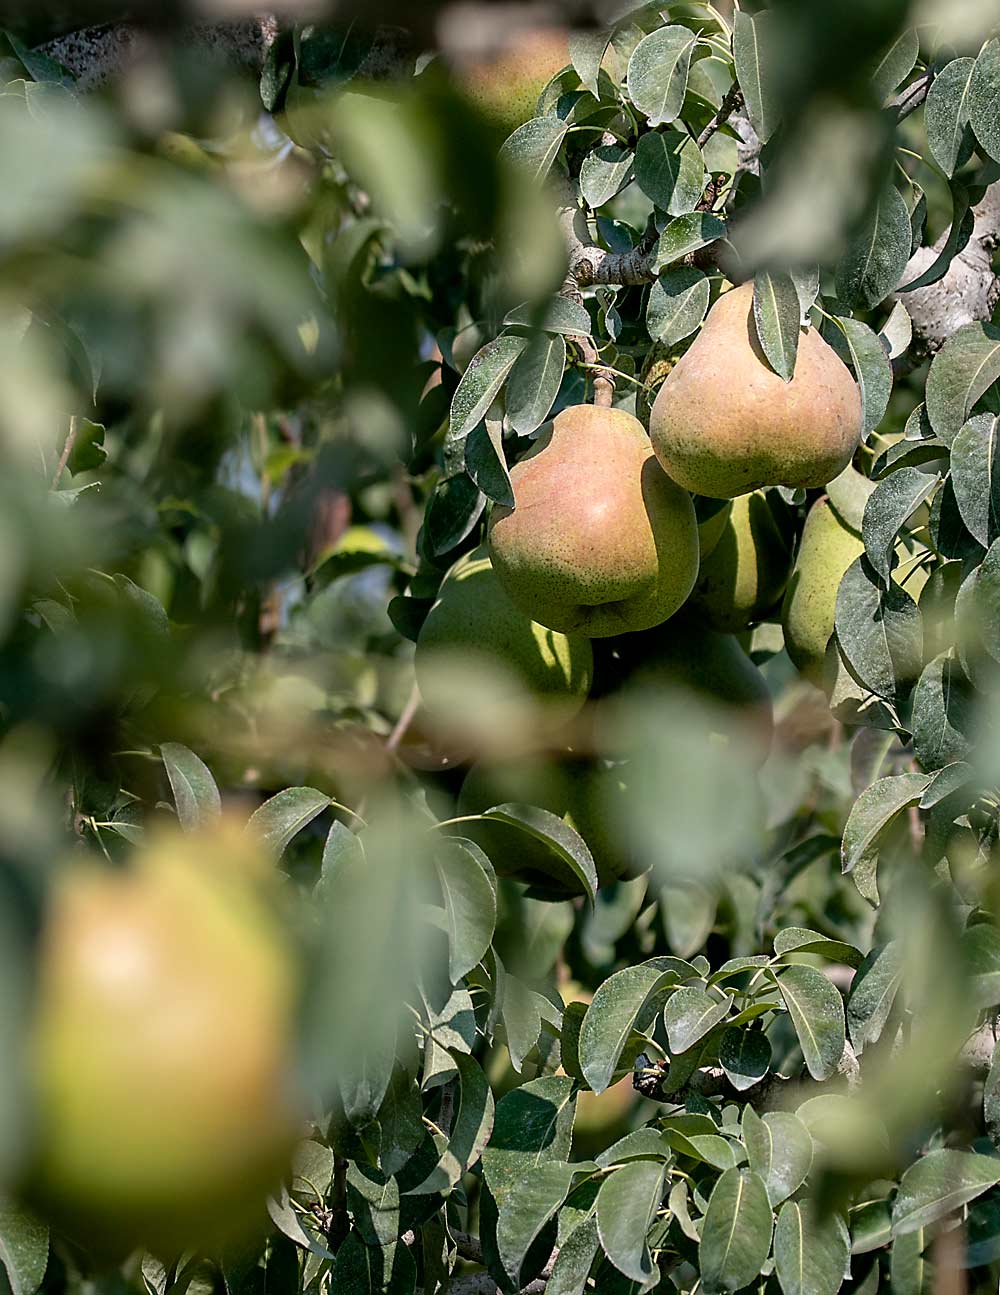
{"x": 534, "y": 146}
{"x": 468, "y": 888}
{"x": 521, "y": 1019}
{"x": 780, "y": 1149}
{"x": 980, "y": 948}
{"x": 41, "y": 68}
{"x": 627, "y": 1001}
{"x": 896, "y": 64}
{"x": 874, "y": 262}
{"x": 907, "y": 1267}
{"x": 576, "y": 1258}
{"x": 879, "y": 631}
{"x": 965, "y": 367}
{"x": 586, "y": 53}
{"x": 533, "y": 1126}
{"x": 873, "y": 992}
{"x": 812, "y": 1250}
{"x": 944, "y": 714}
{"x": 872, "y": 369}
{"x": 984, "y": 96}
{"x": 454, "y": 509}
{"x": 485, "y": 462}
{"x": 975, "y": 476}
{"x": 604, "y": 172}
{"x": 281, "y": 817}
{"x": 195, "y": 793}
{"x": 562, "y": 840}
{"x": 749, "y": 51}
{"x": 678, "y": 301}
{"x": 940, "y": 1182}
{"x": 687, "y": 234}
{"x": 373, "y": 1270}
{"x": 561, "y": 315}
{"x": 690, "y": 1014}
{"x": 24, "y": 1248}
{"x": 800, "y": 939}
{"x": 817, "y": 1012}
{"x": 946, "y": 114}
{"x": 688, "y": 911}
{"x": 481, "y": 382}
{"x": 669, "y": 170}
{"x": 88, "y": 450}
{"x": 963, "y": 222}
{"x": 745, "y": 1056}
{"x": 534, "y": 382}
{"x": 524, "y": 1213}
{"x": 626, "y": 1206}
{"x": 889, "y": 505}
{"x": 777, "y": 318}
{"x": 736, "y": 1232}
{"x": 874, "y": 810}
{"x": 658, "y": 73}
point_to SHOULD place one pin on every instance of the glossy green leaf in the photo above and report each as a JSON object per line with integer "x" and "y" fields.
{"x": 780, "y": 1149}
{"x": 626, "y": 1205}
{"x": 284, "y": 815}
{"x": 195, "y": 793}
{"x": 812, "y": 1250}
{"x": 817, "y": 1012}
{"x": 658, "y": 72}
{"x": 669, "y": 170}
{"x": 967, "y": 364}
{"x": 690, "y": 1014}
{"x": 889, "y": 505}
{"x": 777, "y": 319}
{"x": 481, "y": 382}
{"x": 534, "y": 382}
{"x": 940, "y": 1182}
{"x": 677, "y": 303}
{"x": 627, "y": 1001}
{"x": 736, "y": 1231}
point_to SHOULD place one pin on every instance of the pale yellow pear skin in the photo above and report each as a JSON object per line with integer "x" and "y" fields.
{"x": 826, "y": 550}
{"x": 724, "y": 423}
{"x": 746, "y": 573}
{"x": 600, "y": 541}
{"x": 474, "y": 620}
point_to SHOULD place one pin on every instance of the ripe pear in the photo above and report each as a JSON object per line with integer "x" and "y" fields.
{"x": 474, "y": 625}
{"x": 506, "y": 86}
{"x": 600, "y": 541}
{"x": 712, "y": 529}
{"x": 725, "y": 423}
{"x": 746, "y": 572}
{"x": 826, "y": 550}
{"x": 576, "y": 790}
{"x": 160, "y": 1051}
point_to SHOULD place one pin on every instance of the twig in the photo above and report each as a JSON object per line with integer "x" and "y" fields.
{"x": 732, "y": 102}
{"x": 67, "y": 450}
{"x": 340, "y": 1223}
{"x": 402, "y": 724}
{"x": 909, "y": 99}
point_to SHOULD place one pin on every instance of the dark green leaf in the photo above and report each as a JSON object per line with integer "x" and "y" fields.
{"x": 576, "y": 1257}
{"x": 745, "y": 1056}
{"x": 627, "y": 1001}
{"x": 811, "y": 1249}
{"x": 967, "y": 364}
{"x": 736, "y": 1232}
{"x": 88, "y": 450}
{"x": 586, "y": 51}
{"x": 195, "y": 793}
{"x": 690, "y": 1014}
{"x": 561, "y": 315}
{"x": 817, "y": 1012}
{"x": 780, "y": 1149}
{"x": 877, "y": 256}
{"x": 658, "y": 73}
{"x": 889, "y": 505}
{"x": 749, "y": 50}
{"x": 485, "y": 463}
{"x": 534, "y": 382}
{"x": 879, "y": 631}
{"x": 907, "y": 1267}
{"x": 991, "y": 1099}
{"x": 896, "y": 64}
{"x": 562, "y": 840}
{"x": 373, "y": 1270}
{"x": 678, "y": 300}
{"x": 944, "y": 714}
{"x": 454, "y": 509}
{"x": 946, "y": 114}
{"x": 777, "y": 318}
{"x": 940, "y": 1182}
{"x": 800, "y": 939}
{"x": 669, "y": 170}
{"x": 626, "y": 1206}
{"x": 525, "y": 1212}
{"x": 533, "y": 1126}
{"x": 963, "y": 223}
{"x": 873, "y": 992}
{"x": 281, "y": 817}
{"x": 469, "y": 892}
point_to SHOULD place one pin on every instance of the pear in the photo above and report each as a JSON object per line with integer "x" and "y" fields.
{"x": 600, "y": 540}
{"x": 724, "y": 423}
{"x": 506, "y": 87}
{"x": 473, "y": 625}
{"x": 577, "y": 790}
{"x": 746, "y": 573}
{"x": 826, "y": 550}
{"x": 712, "y": 528}
{"x": 160, "y": 1053}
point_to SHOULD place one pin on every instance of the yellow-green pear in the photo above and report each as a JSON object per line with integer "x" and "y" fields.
{"x": 160, "y": 1053}
{"x": 711, "y": 530}
{"x": 725, "y": 423}
{"x": 600, "y": 541}
{"x": 826, "y": 550}
{"x": 507, "y": 85}
{"x": 578, "y": 791}
{"x": 474, "y": 627}
{"x": 746, "y": 573}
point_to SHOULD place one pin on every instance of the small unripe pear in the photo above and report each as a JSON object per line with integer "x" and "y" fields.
{"x": 600, "y": 540}
{"x": 826, "y": 550}
{"x": 725, "y": 423}
{"x": 474, "y": 622}
{"x": 746, "y": 572}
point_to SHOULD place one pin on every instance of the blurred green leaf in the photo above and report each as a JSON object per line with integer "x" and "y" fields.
{"x": 195, "y": 793}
